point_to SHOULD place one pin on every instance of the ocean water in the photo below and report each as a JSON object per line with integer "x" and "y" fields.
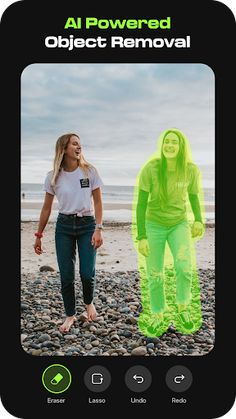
{"x": 124, "y": 194}
{"x": 34, "y": 192}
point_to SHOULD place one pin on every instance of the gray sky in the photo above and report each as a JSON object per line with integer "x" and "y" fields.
{"x": 118, "y": 110}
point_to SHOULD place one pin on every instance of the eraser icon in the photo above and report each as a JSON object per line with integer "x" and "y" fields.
{"x": 56, "y": 380}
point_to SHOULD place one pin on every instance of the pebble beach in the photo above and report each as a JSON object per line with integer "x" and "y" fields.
{"x": 115, "y": 332}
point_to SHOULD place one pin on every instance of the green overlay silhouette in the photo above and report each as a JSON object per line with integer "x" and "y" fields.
{"x": 167, "y": 218}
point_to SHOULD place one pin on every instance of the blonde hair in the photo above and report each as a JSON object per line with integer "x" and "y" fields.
{"x": 60, "y": 148}
{"x": 183, "y": 158}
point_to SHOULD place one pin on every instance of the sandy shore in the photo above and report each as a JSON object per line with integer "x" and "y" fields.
{"x": 116, "y": 254}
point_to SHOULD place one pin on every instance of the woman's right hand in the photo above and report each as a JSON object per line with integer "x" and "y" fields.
{"x": 38, "y": 246}
{"x": 143, "y": 247}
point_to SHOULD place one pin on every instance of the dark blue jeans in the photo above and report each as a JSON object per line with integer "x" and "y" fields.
{"x": 71, "y": 231}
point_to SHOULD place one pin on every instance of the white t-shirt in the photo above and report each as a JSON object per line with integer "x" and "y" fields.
{"x": 74, "y": 190}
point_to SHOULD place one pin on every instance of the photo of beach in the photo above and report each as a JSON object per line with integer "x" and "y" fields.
{"x": 118, "y": 110}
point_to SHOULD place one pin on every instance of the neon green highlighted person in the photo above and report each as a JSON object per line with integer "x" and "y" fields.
{"x": 167, "y": 219}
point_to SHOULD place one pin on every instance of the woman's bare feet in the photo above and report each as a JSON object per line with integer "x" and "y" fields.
{"x": 65, "y": 327}
{"x": 91, "y": 312}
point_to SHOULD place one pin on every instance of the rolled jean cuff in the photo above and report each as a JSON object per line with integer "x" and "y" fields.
{"x": 88, "y": 300}
{"x": 70, "y": 315}
{"x": 158, "y": 311}
{"x": 186, "y": 300}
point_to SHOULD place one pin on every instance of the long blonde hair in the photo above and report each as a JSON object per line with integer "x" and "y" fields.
{"x": 183, "y": 158}
{"x": 60, "y": 148}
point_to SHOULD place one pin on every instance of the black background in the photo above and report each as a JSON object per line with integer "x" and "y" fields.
{"x": 211, "y": 26}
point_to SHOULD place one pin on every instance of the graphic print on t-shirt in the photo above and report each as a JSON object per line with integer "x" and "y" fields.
{"x": 84, "y": 183}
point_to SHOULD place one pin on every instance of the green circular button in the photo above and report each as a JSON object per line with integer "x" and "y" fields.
{"x": 56, "y": 378}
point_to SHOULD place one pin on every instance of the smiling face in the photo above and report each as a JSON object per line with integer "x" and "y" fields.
{"x": 170, "y": 147}
{"x": 73, "y": 149}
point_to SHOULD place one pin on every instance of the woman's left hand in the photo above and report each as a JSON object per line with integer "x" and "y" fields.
{"x": 97, "y": 239}
{"x": 197, "y": 229}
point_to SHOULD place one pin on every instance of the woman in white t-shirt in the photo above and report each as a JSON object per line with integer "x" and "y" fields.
{"x": 77, "y": 186}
